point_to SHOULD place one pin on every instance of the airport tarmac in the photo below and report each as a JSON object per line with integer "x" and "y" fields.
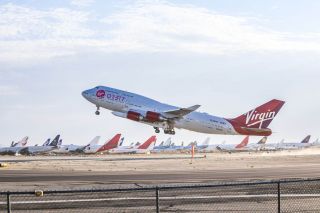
{"x": 99, "y": 171}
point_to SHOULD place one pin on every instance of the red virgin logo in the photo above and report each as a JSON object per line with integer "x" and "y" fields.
{"x": 100, "y": 93}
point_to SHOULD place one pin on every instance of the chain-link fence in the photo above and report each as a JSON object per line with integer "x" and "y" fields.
{"x": 301, "y": 195}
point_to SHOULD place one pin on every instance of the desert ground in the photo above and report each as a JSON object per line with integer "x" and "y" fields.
{"x": 57, "y": 172}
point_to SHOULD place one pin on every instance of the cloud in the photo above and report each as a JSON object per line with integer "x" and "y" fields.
{"x": 82, "y": 3}
{"x": 28, "y": 34}
{"x": 169, "y": 27}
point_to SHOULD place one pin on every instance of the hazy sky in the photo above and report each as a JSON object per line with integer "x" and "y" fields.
{"x": 228, "y": 56}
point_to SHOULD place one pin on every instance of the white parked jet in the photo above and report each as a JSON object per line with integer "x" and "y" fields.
{"x": 295, "y": 145}
{"x": 33, "y": 150}
{"x": 257, "y": 146}
{"x": 109, "y": 144}
{"x": 141, "y": 149}
{"x": 71, "y": 148}
{"x": 15, "y": 148}
{"x": 234, "y": 148}
{"x": 163, "y": 146}
{"x": 145, "y": 110}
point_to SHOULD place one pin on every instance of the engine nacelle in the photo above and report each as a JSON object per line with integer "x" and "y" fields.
{"x": 135, "y": 116}
{"x": 154, "y": 117}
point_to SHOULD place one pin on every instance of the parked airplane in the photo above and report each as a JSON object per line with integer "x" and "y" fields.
{"x": 163, "y": 146}
{"x": 257, "y": 146}
{"x": 109, "y": 144}
{"x": 141, "y": 149}
{"x": 14, "y": 148}
{"x": 232, "y": 147}
{"x": 21, "y": 143}
{"x": 33, "y": 150}
{"x": 71, "y": 148}
{"x": 148, "y": 111}
{"x": 203, "y": 145}
{"x": 298, "y": 145}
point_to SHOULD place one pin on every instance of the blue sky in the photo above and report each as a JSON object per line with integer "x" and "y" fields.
{"x": 228, "y": 56}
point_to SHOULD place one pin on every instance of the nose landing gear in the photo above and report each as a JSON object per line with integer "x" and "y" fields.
{"x": 156, "y": 129}
{"x": 97, "y": 112}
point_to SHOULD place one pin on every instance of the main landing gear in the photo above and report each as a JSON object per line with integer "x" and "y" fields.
{"x": 97, "y": 112}
{"x": 170, "y": 132}
{"x": 166, "y": 131}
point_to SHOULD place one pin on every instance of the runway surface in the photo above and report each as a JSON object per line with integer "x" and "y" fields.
{"x": 65, "y": 172}
{"x": 159, "y": 177}
{"x": 67, "y": 158}
{"x": 105, "y": 172}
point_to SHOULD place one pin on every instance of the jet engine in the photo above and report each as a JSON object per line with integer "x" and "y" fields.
{"x": 154, "y": 117}
{"x": 135, "y": 116}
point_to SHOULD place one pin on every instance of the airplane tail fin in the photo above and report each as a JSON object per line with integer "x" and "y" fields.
{"x": 260, "y": 117}
{"x": 20, "y": 143}
{"x": 121, "y": 141}
{"x": 243, "y": 143}
{"x": 167, "y": 142}
{"x": 94, "y": 141}
{"x": 46, "y": 143}
{"x": 306, "y": 140}
{"x": 55, "y": 141}
{"x": 146, "y": 145}
{"x": 263, "y": 140}
{"x": 206, "y": 142}
{"x": 113, "y": 143}
{"x": 59, "y": 143}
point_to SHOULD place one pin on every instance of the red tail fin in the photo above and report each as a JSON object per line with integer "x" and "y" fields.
{"x": 243, "y": 143}
{"x": 113, "y": 143}
{"x": 146, "y": 144}
{"x": 261, "y": 116}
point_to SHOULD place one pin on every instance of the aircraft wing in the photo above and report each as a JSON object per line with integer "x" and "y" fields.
{"x": 177, "y": 113}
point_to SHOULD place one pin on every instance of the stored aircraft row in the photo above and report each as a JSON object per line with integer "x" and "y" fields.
{"x": 110, "y": 146}
{"x": 115, "y": 145}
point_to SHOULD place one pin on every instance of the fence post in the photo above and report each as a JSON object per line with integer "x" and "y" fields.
{"x": 8, "y": 203}
{"x": 279, "y": 207}
{"x": 157, "y": 199}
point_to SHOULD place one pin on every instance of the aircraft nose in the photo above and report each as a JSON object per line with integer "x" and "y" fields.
{"x": 85, "y": 93}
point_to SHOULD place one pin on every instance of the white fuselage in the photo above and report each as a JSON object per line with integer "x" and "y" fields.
{"x": 32, "y": 150}
{"x": 134, "y": 150}
{"x": 68, "y": 148}
{"x": 120, "y": 102}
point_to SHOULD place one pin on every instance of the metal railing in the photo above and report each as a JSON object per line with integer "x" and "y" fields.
{"x": 295, "y": 195}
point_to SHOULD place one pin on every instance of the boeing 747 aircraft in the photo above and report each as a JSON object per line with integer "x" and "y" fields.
{"x": 71, "y": 148}
{"x": 45, "y": 148}
{"x": 159, "y": 115}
